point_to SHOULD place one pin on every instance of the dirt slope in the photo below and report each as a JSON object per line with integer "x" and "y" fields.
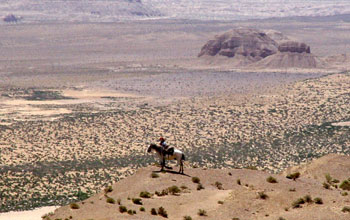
{"x": 237, "y": 200}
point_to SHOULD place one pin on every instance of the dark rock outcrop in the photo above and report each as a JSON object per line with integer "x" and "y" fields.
{"x": 245, "y": 42}
{"x": 294, "y": 47}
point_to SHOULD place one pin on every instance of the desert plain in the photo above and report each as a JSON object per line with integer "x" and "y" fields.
{"x": 81, "y": 102}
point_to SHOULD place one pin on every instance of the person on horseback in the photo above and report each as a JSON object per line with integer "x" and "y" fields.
{"x": 163, "y": 143}
{"x": 164, "y": 147}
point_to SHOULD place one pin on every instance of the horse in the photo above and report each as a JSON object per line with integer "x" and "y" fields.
{"x": 170, "y": 154}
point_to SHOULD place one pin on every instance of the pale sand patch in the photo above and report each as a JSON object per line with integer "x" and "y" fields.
{"x": 93, "y": 94}
{"x": 28, "y": 215}
{"x": 343, "y": 123}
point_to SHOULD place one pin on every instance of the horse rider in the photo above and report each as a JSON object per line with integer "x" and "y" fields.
{"x": 164, "y": 147}
{"x": 163, "y": 143}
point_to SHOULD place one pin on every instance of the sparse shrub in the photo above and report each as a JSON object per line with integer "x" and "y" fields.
{"x": 251, "y": 168}
{"x": 262, "y": 195}
{"x": 229, "y": 173}
{"x": 145, "y": 194}
{"x": 328, "y": 178}
{"x": 200, "y": 186}
{"x": 162, "y": 212}
{"x": 308, "y": 199}
{"x": 110, "y": 200}
{"x": 187, "y": 217}
{"x": 281, "y": 218}
{"x": 220, "y": 202}
{"x": 346, "y": 209}
{"x": 163, "y": 193}
{"x": 196, "y": 179}
{"x": 286, "y": 209}
{"x": 108, "y": 189}
{"x": 142, "y": 209}
{"x": 130, "y": 212}
{"x": 153, "y": 211}
{"x": 318, "y": 200}
{"x": 122, "y": 209}
{"x": 202, "y": 212}
{"x": 174, "y": 190}
{"x": 345, "y": 185}
{"x": 235, "y": 218}
{"x": 183, "y": 187}
{"x": 297, "y": 203}
{"x": 218, "y": 185}
{"x": 326, "y": 185}
{"x": 293, "y": 176}
{"x": 74, "y": 206}
{"x": 292, "y": 190}
{"x": 137, "y": 201}
{"x": 344, "y": 194}
{"x": 271, "y": 179}
{"x": 119, "y": 201}
{"x": 238, "y": 181}
{"x": 154, "y": 175}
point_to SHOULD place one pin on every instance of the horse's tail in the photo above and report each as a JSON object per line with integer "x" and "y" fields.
{"x": 183, "y": 157}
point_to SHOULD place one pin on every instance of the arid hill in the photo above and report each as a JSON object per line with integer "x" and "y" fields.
{"x": 259, "y": 49}
{"x": 242, "y": 43}
{"x": 220, "y": 194}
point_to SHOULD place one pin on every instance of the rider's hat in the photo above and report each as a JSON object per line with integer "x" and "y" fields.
{"x": 161, "y": 139}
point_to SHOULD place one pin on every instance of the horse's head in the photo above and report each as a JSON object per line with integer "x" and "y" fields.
{"x": 152, "y": 146}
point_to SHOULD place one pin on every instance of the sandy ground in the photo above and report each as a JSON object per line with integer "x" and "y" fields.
{"x": 27, "y": 215}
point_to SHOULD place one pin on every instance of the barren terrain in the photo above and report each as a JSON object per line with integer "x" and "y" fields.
{"x": 81, "y": 102}
{"x": 224, "y": 194}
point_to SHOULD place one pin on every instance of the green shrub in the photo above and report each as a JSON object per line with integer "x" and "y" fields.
{"x": 119, "y": 201}
{"x": 326, "y": 185}
{"x": 200, "y": 186}
{"x": 163, "y": 193}
{"x": 328, "y": 178}
{"x": 174, "y": 190}
{"x": 345, "y": 185}
{"x": 293, "y": 176}
{"x": 154, "y": 211}
{"x": 137, "y": 201}
{"x": 318, "y": 200}
{"x": 108, "y": 189}
{"x": 281, "y": 218}
{"x": 162, "y": 212}
{"x": 145, "y": 194}
{"x": 218, "y": 185}
{"x": 142, "y": 209}
{"x": 187, "y": 217}
{"x": 202, "y": 212}
{"x": 308, "y": 199}
{"x": 130, "y": 212}
{"x": 110, "y": 200}
{"x": 271, "y": 179}
{"x": 196, "y": 179}
{"x": 346, "y": 209}
{"x": 183, "y": 187}
{"x": 292, "y": 190}
{"x": 251, "y": 168}
{"x": 238, "y": 181}
{"x": 297, "y": 203}
{"x": 344, "y": 194}
{"x": 74, "y": 206}
{"x": 154, "y": 175}
{"x": 220, "y": 202}
{"x": 122, "y": 209}
{"x": 262, "y": 195}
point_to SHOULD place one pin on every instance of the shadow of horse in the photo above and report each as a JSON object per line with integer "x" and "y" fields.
{"x": 172, "y": 172}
